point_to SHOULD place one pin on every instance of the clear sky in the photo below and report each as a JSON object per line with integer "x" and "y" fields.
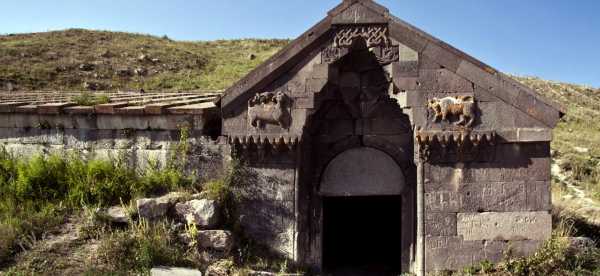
{"x": 552, "y": 39}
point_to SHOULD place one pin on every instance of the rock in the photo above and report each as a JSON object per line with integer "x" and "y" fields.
{"x": 186, "y": 239}
{"x": 219, "y": 240}
{"x": 265, "y": 273}
{"x": 155, "y": 60}
{"x": 86, "y": 67}
{"x": 116, "y": 214}
{"x": 581, "y": 150}
{"x": 9, "y": 86}
{"x": 124, "y": 72}
{"x": 90, "y": 85}
{"x": 106, "y": 54}
{"x": 152, "y": 208}
{"x": 220, "y": 268}
{"x": 143, "y": 58}
{"x": 202, "y": 212}
{"x": 174, "y": 271}
{"x": 580, "y": 243}
{"x": 51, "y": 55}
{"x": 140, "y": 71}
{"x": 251, "y": 56}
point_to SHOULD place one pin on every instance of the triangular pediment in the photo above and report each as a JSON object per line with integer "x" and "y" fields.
{"x": 368, "y": 15}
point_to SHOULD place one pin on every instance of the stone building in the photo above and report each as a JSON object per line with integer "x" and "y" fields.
{"x": 374, "y": 145}
{"x": 384, "y": 146}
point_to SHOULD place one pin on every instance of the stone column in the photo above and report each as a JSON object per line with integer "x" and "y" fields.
{"x": 419, "y": 268}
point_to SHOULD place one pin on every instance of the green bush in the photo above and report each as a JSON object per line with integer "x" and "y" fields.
{"x": 99, "y": 182}
{"x": 141, "y": 248}
{"x": 157, "y": 181}
{"x": 42, "y": 178}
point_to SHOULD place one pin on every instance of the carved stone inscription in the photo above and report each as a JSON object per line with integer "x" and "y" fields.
{"x": 504, "y": 226}
{"x": 269, "y": 108}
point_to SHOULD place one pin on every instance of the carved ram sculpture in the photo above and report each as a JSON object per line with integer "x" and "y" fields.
{"x": 461, "y": 106}
{"x": 268, "y": 107}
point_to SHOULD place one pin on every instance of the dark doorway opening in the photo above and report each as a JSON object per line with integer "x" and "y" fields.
{"x": 362, "y": 235}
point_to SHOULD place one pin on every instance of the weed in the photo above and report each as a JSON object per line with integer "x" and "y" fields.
{"x": 88, "y": 99}
{"x": 141, "y": 248}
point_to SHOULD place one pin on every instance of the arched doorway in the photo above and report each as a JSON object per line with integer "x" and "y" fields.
{"x": 359, "y": 172}
{"x": 362, "y": 213}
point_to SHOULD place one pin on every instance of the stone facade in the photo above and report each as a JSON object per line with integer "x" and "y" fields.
{"x": 465, "y": 149}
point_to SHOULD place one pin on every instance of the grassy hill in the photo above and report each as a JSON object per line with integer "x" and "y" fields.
{"x": 87, "y": 60}
{"x": 81, "y": 59}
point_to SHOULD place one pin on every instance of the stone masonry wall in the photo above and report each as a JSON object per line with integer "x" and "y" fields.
{"x": 138, "y": 146}
{"x": 477, "y": 211}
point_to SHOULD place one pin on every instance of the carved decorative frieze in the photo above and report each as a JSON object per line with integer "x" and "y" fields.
{"x": 387, "y": 54}
{"x": 332, "y": 54}
{"x": 462, "y": 108}
{"x": 375, "y": 37}
{"x": 456, "y": 146}
{"x": 255, "y": 146}
{"x": 269, "y": 108}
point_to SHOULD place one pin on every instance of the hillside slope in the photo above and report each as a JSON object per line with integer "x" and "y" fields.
{"x": 79, "y": 59}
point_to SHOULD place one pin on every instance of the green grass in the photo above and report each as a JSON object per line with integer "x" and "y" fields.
{"x": 88, "y": 99}
{"x": 37, "y": 194}
{"x": 51, "y": 61}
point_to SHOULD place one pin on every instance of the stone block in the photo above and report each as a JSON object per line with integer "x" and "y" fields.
{"x": 493, "y": 197}
{"x": 85, "y": 121}
{"x": 504, "y": 226}
{"x": 174, "y": 271}
{"x": 440, "y": 224}
{"x": 359, "y": 14}
{"x": 320, "y": 71}
{"x": 495, "y": 251}
{"x": 314, "y": 85}
{"x": 443, "y": 253}
{"x": 442, "y": 56}
{"x": 534, "y": 135}
{"x": 304, "y": 103}
{"x": 443, "y": 80}
{"x": 405, "y": 83}
{"x": 405, "y": 34}
{"x": 442, "y": 201}
{"x": 483, "y": 95}
{"x": 427, "y": 63}
{"x": 539, "y": 196}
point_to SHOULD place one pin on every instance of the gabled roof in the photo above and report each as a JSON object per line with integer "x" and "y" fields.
{"x": 369, "y": 12}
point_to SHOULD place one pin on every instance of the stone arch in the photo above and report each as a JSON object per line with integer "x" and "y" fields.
{"x": 362, "y": 171}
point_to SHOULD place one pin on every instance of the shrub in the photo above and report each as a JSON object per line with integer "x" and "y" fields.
{"x": 157, "y": 181}
{"x": 144, "y": 246}
{"x": 42, "y": 178}
{"x": 556, "y": 258}
{"x": 99, "y": 182}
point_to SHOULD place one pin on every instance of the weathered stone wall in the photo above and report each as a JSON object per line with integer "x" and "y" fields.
{"x": 476, "y": 211}
{"x": 267, "y": 207}
{"x": 137, "y": 142}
